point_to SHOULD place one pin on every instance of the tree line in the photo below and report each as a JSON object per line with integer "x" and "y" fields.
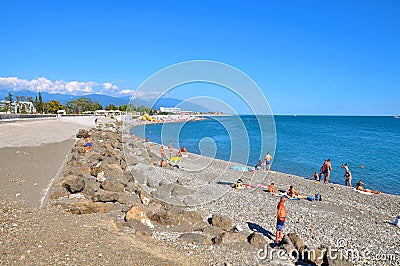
{"x": 77, "y": 106}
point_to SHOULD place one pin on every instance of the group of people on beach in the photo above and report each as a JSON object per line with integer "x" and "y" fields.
{"x": 264, "y": 165}
{"x": 326, "y": 170}
{"x": 167, "y": 161}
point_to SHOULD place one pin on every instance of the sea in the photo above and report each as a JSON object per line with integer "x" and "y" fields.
{"x": 370, "y": 145}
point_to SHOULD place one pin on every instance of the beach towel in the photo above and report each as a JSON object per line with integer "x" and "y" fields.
{"x": 176, "y": 159}
{"x": 240, "y": 168}
{"x": 363, "y": 192}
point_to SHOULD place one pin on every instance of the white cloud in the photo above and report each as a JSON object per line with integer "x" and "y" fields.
{"x": 46, "y": 85}
{"x": 126, "y": 92}
{"x": 148, "y": 95}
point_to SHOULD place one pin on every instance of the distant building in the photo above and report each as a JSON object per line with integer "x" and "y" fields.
{"x": 174, "y": 110}
{"x": 107, "y": 113}
{"x": 17, "y": 107}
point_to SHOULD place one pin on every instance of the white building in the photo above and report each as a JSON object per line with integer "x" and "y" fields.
{"x": 17, "y": 107}
{"x": 174, "y": 110}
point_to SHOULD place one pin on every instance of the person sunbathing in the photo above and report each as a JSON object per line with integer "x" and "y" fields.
{"x": 292, "y": 193}
{"x": 271, "y": 188}
{"x": 361, "y": 188}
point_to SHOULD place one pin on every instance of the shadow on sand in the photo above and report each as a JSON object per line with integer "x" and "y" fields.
{"x": 259, "y": 229}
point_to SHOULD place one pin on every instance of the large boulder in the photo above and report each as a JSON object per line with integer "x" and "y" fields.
{"x": 138, "y": 212}
{"x": 91, "y": 185}
{"x": 88, "y": 207}
{"x": 314, "y": 257}
{"x": 126, "y": 199}
{"x": 167, "y": 217}
{"x": 59, "y": 192}
{"x": 288, "y": 245}
{"x": 179, "y": 191}
{"x": 105, "y": 196}
{"x": 297, "y": 241}
{"x": 82, "y": 133}
{"x": 110, "y": 185}
{"x": 229, "y": 237}
{"x": 221, "y": 221}
{"x": 195, "y": 238}
{"x": 211, "y": 231}
{"x": 74, "y": 184}
{"x": 257, "y": 239}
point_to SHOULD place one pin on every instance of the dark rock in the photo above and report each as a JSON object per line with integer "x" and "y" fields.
{"x": 335, "y": 260}
{"x": 167, "y": 217}
{"x": 137, "y": 226}
{"x": 153, "y": 182}
{"x": 286, "y": 240}
{"x": 91, "y": 185}
{"x": 314, "y": 257}
{"x": 211, "y": 231}
{"x": 82, "y": 133}
{"x": 229, "y": 237}
{"x": 257, "y": 239}
{"x": 112, "y": 186}
{"x": 192, "y": 217}
{"x": 195, "y": 238}
{"x": 59, "y": 192}
{"x": 221, "y": 221}
{"x": 297, "y": 241}
{"x": 74, "y": 184}
{"x": 105, "y": 196}
{"x": 128, "y": 199}
{"x": 88, "y": 207}
{"x": 179, "y": 191}
{"x": 94, "y": 157}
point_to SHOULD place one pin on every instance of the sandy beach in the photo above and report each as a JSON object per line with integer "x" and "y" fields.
{"x": 32, "y": 153}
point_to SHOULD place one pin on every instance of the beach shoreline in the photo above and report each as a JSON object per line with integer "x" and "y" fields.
{"x": 197, "y": 191}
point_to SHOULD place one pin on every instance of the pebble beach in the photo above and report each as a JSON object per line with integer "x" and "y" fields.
{"x": 115, "y": 205}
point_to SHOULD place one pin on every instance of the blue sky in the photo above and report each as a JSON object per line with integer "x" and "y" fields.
{"x": 308, "y": 57}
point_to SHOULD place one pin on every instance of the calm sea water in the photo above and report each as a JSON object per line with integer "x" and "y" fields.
{"x": 302, "y": 144}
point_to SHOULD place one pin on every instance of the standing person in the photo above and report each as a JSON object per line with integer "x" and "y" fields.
{"x": 170, "y": 149}
{"x": 162, "y": 152}
{"x": 326, "y": 169}
{"x": 347, "y": 175}
{"x": 89, "y": 143}
{"x": 281, "y": 219}
{"x": 268, "y": 161}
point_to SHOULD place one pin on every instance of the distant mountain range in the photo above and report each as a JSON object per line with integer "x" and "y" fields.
{"x": 105, "y": 100}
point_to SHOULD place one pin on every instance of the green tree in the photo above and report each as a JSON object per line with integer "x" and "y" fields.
{"x": 40, "y": 104}
{"x": 23, "y": 109}
{"x": 36, "y": 104}
{"x": 97, "y": 106}
{"x": 9, "y": 100}
{"x": 52, "y": 106}
{"x": 111, "y": 107}
{"x": 123, "y": 107}
{"x": 82, "y": 105}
